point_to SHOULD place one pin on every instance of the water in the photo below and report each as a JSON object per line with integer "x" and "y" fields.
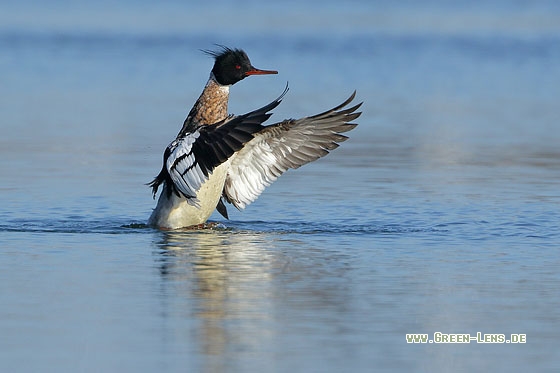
{"x": 440, "y": 214}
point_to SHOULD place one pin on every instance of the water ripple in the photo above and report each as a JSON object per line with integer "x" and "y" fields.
{"x": 274, "y": 227}
{"x": 72, "y": 226}
{"x": 456, "y": 230}
{"x": 303, "y": 227}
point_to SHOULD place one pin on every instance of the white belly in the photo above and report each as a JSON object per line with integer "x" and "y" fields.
{"x": 175, "y": 212}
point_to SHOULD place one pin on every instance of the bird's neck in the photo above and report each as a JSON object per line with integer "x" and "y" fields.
{"x": 211, "y": 106}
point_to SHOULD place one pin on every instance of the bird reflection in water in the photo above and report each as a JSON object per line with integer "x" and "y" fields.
{"x": 243, "y": 294}
{"x": 220, "y": 279}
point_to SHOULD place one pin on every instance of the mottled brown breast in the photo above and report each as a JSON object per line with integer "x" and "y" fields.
{"x": 212, "y": 105}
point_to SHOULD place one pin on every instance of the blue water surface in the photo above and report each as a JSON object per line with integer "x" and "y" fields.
{"x": 439, "y": 214}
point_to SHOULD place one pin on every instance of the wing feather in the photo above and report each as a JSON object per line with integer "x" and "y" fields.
{"x": 281, "y": 146}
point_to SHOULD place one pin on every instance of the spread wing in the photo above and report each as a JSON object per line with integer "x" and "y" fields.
{"x": 288, "y": 144}
{"x": 189, "y": 160}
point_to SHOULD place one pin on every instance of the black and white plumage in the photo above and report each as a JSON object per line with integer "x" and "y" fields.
{"x": 190, "y": 160}
{"x": 281, "y": 146}
{"x": 219, "y": 158}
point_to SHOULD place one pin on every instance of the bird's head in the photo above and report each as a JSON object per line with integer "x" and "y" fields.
{"x": 233, "y": 65}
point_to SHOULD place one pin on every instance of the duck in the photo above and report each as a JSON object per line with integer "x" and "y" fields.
{"x": 220, "y": 158}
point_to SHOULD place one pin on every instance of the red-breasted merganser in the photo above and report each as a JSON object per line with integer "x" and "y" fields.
{"x": 219, "y": 158}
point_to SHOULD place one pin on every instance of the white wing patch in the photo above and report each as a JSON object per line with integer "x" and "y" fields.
{"x": 251, "y": 171}
{"x": 183, "y": 168}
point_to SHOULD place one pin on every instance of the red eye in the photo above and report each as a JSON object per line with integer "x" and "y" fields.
{"x": 238, "y": 67}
